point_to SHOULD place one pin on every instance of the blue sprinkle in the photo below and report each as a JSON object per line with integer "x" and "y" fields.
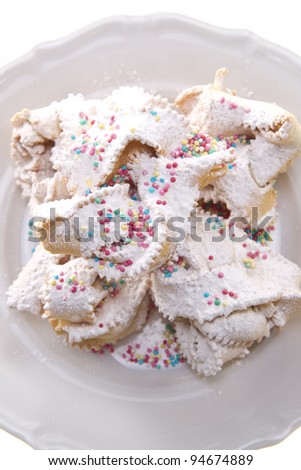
{"x": 206, "y": 294}
{"x": 146, "y": 211}
{"x": 162, "y": 180}
{"x": 56, "y": 277}
{"x": 111, "y": 264}
{"x": 153, "y": 179}
{"x": 151, "y": 190}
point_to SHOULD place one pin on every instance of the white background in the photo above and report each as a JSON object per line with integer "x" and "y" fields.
{"x": 23, "y": 24}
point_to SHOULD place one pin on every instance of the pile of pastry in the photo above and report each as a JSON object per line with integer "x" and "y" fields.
{"x": 137, "y": 201}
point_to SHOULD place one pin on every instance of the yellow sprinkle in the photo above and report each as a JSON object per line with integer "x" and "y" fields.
{"x": 124, "y": 227}
{"x": 156, "y": 174}
{"x": 101, "y": 126}
{"x": 132, "y": 242}
{"x": 157, "y": 118}
{"x": 81, "y": 282}
{"x": 73, "y": 277}
{"x": 184, "y": 142}
{"x": 130, "y": 203}
{"x": 89, "y": 183}
{"x": 101, "y": 266}
{"x": 111, "y": 128}
{"x": 132, "y": 130}
{"x": 53, "y": 283}
{"x": 84, "y": 228}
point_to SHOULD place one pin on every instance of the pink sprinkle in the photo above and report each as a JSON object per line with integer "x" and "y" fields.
{"x": 73, "y": 289}
{"x": 220, "y": 275}
{"x": 244, "y": 245}
{"x": 168, "y": 166}
{"x": 264, "y": 256}
{"x": 145, "y": 172}
{"x": 173, "y": 179}
{"x": 137, "y": 346}
{"x": 161, "y": 192}
{"x": 232, "y": 105}
{"x": 209, "y": 302}
{"x": 225, "y": 292}
{"x": 82, "y": 288}
{"x": 210, "y": 258}
{"x": 100, "y": 325}
{"x": 61, "y": 273}
{"x": 174, "y": 165}
{"x": 158, "y": 201}
{"x": 59, "y": 287}
{"x": 222, "y": 100}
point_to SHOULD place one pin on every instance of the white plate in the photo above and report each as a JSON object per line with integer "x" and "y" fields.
{"x": 56, "y": 398}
